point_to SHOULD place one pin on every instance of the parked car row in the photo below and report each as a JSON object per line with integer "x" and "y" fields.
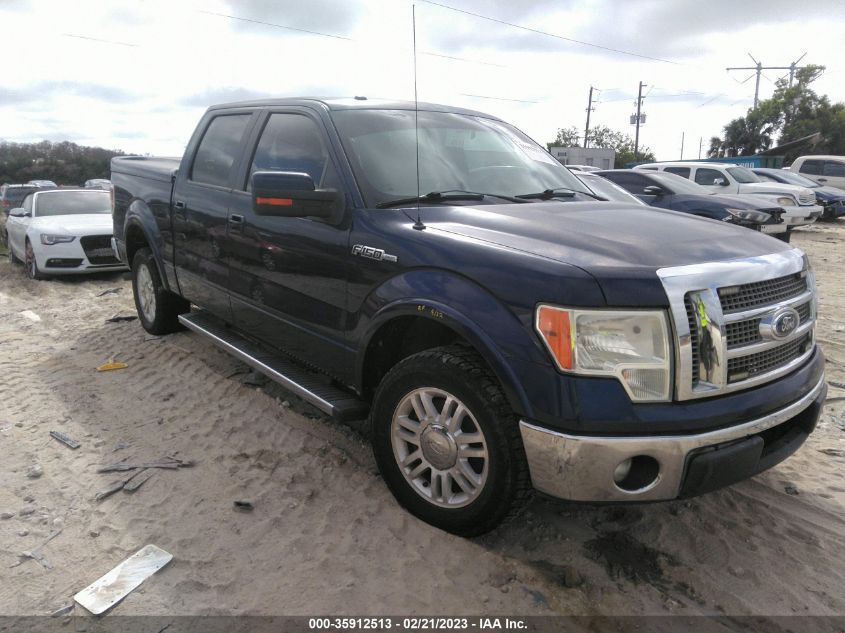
{"x": 58, "y": 231}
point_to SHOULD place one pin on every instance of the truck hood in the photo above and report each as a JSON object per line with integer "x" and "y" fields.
{"x": 774, "y": 188}
{"x": 746, "y": 201}
{"x": 601, "y": 237}
{"x": 77, "y": 224}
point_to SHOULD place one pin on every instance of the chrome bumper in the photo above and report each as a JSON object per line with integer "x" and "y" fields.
{"x": 582, "y": 468}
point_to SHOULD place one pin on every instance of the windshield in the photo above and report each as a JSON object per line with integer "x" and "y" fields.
{"x": 606, "y": 189}
{"x": 743, "y": 175}
{"x": 793, "y": 179}
{"x": 72, "y": 203}
{"x": 456, "y": 152}
{"x": 679, "y": 184}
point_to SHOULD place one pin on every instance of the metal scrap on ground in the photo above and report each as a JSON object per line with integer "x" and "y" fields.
{"x": 64, "y": 439}
{"x": 110, "y": 291}
{"x": 36, "y": 554}
{"x": 142, "y": 474}
{"x": 113, "y": 587}
{"x": 112, "y": 365}
{"x": 117, "y": 318}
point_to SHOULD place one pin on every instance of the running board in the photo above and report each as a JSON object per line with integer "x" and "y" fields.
{"x": 311, "y": 387}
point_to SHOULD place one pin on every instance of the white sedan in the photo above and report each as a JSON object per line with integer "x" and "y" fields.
{"x": 63, "y": 231}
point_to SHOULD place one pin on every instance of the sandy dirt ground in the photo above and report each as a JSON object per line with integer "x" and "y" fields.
{"x": 325, "y": 536}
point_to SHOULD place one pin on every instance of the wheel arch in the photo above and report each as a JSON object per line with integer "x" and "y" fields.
{"x": 402, "y": 329}
{"x": 139, "y": 234}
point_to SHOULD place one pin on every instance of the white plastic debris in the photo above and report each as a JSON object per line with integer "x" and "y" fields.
{"x": 106, "y": 592}
{"x": 29, "y": 314}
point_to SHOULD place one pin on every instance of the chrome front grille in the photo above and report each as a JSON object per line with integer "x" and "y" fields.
{"x": 807, "y": 198}
{"x": 736, "y": 298}
{"x": 741, "y": 333}
{"x": 740, "y": 323}
{"x": 744, "y": 367}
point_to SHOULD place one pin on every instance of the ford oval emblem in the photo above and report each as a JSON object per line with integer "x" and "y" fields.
{"x": 780, "y": 324}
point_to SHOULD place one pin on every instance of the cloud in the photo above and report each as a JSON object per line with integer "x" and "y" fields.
{"x": 45, "y": 90}
{"x": 337, "y": 17}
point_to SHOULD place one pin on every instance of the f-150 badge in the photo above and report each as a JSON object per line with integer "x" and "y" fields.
{"x": 369, "y": 252}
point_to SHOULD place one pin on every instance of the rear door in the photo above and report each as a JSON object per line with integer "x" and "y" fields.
{"x": 833, "y": 173}
{"x": 200, "y": 207}
{"x": 289, "y": 275}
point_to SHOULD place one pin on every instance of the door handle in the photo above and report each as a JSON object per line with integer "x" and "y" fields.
{"x": 180, "y": 205}
{"x": 821, "y": 180}
{"x": 236, "y": 219}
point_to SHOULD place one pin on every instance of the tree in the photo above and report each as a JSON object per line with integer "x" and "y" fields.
{"x": 607, "y": 138}
{"x": 64, "y": 163}
{"x": 791, "y": 113}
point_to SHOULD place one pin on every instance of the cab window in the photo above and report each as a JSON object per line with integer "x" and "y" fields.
{"x": 708, "y": 176}
{"x": 219, "y": 149}
{"x": 812, "y": 167}
{"x": 680, "y": 171}
{"x": 292, "y": 142}
{"x": 832, "y": 168}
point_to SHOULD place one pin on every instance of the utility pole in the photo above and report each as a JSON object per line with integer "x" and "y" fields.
{"x": 590, "y": 108}
{"x": 700, "y": 143}
{"x": 637, "y": 134}
{"x": 682, "y": 145}
{"x": 758, "y": 68}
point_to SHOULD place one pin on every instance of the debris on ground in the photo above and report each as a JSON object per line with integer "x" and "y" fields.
{"x": 64, "y": 439}
{"x": 34, "y": 471}
{"x": 110, "y": 589}
{"x": 142, "y": 474}
{"x": 6, "y": 515}
{"x": 110, "y": 291}
{"x": 118, "y": 318}
{"x": 791, "y": 490}
{"x": 36, "y": 554}
{"x": 112, "y": 365}
{"x": 255, "y": 379}
{"x": 244, "y": 506}
{"x": 29, "y": 314}
{"x": 27, "y": 510}
{"x": 63, "y": 611}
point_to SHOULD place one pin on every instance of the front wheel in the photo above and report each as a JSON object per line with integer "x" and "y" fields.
{"x": 447, "y": 443}
{"x": 31, "y": 265}
{"x": 158, "y": 308}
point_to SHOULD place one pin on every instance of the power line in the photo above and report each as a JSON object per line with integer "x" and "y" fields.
{"x": 758, "y": 69}
{"x": 547, "y": 34}
{"x": 341, "y": 37}
{"x": 97, "y": 39}
{"x": 464, "y": 94}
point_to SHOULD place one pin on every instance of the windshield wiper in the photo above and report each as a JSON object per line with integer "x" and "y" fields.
{"x": 557, "y": 192}
{"x": 446, "y": 196}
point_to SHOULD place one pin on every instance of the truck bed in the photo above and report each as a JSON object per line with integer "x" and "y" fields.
{"x": 153, "y": 167}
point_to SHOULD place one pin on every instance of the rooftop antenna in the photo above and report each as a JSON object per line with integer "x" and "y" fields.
{"x": 418, "y": 225}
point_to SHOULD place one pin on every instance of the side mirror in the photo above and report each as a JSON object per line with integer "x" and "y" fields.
{"x": 720, "y": 181}
{"x": 291, "y": 194}
{"x": 653, "y": 190}
{"x": 19, "y": 212}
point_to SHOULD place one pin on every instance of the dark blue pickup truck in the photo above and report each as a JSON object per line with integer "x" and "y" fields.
{"x": 505, "y": 331}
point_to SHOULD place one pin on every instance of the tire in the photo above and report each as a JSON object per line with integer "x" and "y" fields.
{"x": 494, "y": 458}
{"x": 30, "y": 264}
{"x": 158, "y": 308}
{"x": 12, "y": 258}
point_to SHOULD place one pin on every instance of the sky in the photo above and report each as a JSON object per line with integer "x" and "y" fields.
{"x": 136, "y": 75}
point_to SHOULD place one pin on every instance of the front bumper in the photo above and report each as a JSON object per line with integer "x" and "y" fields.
{"x": 582, "y": 468}
{"x": 801, "y": 216}
{"x": 70, "y": 258}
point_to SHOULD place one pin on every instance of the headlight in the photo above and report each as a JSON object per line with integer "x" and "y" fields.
{"x": 49, "y": 240}
{"x": 633, "y": 346}
{"x": 786, "y": 201}
{"x": 749, "y": 215}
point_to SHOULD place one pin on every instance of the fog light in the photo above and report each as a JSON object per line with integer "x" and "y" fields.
{"x": 637, "y": 474}
{"x": 622, "y": 471}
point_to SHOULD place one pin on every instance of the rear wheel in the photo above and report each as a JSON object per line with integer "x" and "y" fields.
{"x": 158, "y": 308}
{"x": 31, "y": 265}
{"x": 447, "y": 443}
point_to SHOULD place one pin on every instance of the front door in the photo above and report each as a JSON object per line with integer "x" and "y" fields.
{"x": 289, "y": 275}
{"x": 200, "y": 207}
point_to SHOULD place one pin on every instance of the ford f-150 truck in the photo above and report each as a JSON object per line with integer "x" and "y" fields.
{"x": 438, "y": 271}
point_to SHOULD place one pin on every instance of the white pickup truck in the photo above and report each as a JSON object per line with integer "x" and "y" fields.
{"x": 799, "y": 203}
